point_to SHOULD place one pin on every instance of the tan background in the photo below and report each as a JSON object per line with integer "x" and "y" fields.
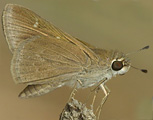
{"x": 126, "y": 25}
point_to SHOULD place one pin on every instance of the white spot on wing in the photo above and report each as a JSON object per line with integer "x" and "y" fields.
{"x": 36, "y": 23}
{"x": 58, "y": 37}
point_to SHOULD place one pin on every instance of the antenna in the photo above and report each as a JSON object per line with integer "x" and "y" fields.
{"x": 142, "y": 70}
{"x": 144, "y": 48}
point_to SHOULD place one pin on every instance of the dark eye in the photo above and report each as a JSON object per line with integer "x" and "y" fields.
{"x": 117, "y": 65}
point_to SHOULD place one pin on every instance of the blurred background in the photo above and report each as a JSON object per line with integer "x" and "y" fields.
{"x": 126, "y": 25}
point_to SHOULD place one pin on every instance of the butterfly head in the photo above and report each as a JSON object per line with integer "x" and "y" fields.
{"x": 120, "y": 63}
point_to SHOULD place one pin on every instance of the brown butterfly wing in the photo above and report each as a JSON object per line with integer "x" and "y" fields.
{"x": 40, "y": 59}
{"x": 41, "y": 51}
{"x": 20, "y": 24}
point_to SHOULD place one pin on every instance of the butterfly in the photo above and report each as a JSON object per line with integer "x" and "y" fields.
{"x": 46, "y": 58}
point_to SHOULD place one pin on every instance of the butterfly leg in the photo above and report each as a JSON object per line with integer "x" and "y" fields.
{"x": 74, "y": 89}
{"x": 94, "y": 98}
{"x": 96, "y": 89}
{"x": 106, "y": 92}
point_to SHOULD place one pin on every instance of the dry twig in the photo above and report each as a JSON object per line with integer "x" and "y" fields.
{"x": 75, "y": 110}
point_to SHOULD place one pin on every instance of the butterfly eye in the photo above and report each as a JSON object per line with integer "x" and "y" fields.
{"x": 117, "y": 65}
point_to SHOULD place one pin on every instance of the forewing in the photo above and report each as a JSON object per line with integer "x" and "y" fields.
{"x": 20, "y": 24}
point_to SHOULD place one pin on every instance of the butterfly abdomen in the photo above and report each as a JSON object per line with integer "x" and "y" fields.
{"x": 36, "y": 90}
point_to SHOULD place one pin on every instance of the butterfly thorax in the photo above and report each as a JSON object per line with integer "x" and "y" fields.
{"x": 110, "y": 64}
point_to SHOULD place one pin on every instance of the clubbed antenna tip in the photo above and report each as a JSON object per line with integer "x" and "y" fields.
{"x": 146, "y": 47}
{"x": 144, "y": 70}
